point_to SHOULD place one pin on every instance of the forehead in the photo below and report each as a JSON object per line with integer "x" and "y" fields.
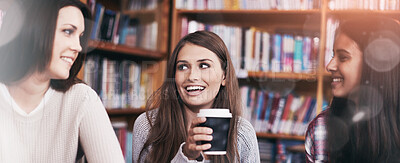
{"x": 70, "y": 15}
{"x": 191, "y": 52}
{"x": 342, "y": 41}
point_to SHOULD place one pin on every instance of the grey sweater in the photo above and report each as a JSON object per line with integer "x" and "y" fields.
{"x": 247, "y": 141}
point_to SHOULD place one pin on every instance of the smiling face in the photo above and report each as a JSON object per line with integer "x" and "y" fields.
{"x": 198, "y": 76}
{"x": 69, "y": 28}
{"x": 345, "y": 66}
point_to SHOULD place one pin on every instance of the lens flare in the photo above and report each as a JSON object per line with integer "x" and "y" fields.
{"x": 382, "y": 54}
{"x": 14, "y": 22}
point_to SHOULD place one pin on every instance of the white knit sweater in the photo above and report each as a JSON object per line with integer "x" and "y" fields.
{"x": 51, "y": 132}
{"x": 247, "y": 141}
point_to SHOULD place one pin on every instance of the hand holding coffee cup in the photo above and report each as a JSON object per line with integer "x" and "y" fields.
{"x": 191, "y": 149}
{"x": 219, "y": 121}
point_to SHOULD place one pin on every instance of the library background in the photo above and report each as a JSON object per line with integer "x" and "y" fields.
{"x": 280, "y": 49}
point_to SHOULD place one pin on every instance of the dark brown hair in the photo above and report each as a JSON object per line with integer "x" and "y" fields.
{"x": 34, "y": 24}
{"x": 170, "y": 127}
{"x": 376, "y": 136}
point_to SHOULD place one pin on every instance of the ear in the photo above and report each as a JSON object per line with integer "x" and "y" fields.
{"x": 223, "y": 80}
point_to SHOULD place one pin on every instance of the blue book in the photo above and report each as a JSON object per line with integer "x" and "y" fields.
{"x": 107, "y": 25}
{"x": 298, "y": 54}
{"x": 276, "y": 54}
{"x": 129, "y": 146}
{"x": 98, "y": 16}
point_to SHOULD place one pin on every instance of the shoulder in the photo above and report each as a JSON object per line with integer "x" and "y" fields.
{"x": 244, "y": 126}
{"x": 316, "y": 138}
{"x": 83, "y": 98}
{"x": 82, "y": 92}
{"x": 82, "y": 89}
{"x": 318, "y": 121}
{"x": 142, "y": 124}
{"x": 246, "y": 132}
{"x": 316, "y": 130}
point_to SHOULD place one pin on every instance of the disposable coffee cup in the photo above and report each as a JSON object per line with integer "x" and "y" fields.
{"x": 219, "y": 121}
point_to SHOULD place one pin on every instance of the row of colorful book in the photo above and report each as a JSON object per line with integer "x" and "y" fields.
{"x": 364, "y": 4}
{"x": 119, "y": 83}
{"x": 119, "y": 28}
{"x": 248, "y": 4}
{"x": 274, "y": 113}
{"x": 272, "y": 151}
{"x": 125, "y": 138}
{"x": 252, "y": 49}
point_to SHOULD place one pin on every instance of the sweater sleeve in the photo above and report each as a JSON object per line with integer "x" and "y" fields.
{"x": 180, "y": 157}
{"x": 141, "y": 131}
{"x": 247, "y": 143}
{"x": 96, "y": 134}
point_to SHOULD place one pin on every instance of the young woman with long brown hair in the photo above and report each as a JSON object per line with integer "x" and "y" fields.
{"x": 200, "y": 75}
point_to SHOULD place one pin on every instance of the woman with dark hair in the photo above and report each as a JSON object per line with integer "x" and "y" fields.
{"x": 363, "y": 121}
{"x": 200, "y": 75}
{"x": 46, "y": 113}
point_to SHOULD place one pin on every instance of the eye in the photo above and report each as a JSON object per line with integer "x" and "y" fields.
{"x": 343, "y": 58}
{"x": 182, "y": 67}
{"x": 69, "y": 31}
{"x": 204, "y": 65}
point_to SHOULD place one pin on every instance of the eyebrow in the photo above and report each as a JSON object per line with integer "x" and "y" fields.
{"x": 76, "y": 28}
{"x": 73, "y": 26}
{"x": 200, "y": 60}
{"x": 341, "y": 51}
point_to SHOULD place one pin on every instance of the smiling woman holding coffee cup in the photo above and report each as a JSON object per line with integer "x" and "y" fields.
{"x": 200, "y": 76}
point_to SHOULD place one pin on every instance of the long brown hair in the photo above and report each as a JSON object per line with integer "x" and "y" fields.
{"x": 169, "y": 129}
{"x": 375, "y": 135}
{"x": 34, "y": 25}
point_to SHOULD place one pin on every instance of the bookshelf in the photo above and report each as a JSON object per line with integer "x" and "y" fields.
{"x": 143, "y": 51}
{"x": 146, "y": 47}
{"x": 126, "y": 58}
{"x": 316, "y": 21}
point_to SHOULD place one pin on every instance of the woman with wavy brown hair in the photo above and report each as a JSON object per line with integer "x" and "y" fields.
{"x": 200, "y": 75}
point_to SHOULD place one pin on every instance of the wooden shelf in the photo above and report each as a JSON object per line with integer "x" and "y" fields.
{"x": 283, "y": 75}
{"x": 231, "y": 11}
{"x": 362, "y": 11}
{"x": 125, "y": 111}
{"x": 348, "y": 14}
{"x": 255, "y": 17}
{"x": 123, "y": 49}
{"x": 279, "y": 136}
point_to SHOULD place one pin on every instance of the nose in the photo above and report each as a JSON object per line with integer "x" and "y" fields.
{"x": 76, "y": 45}
{"x": 332, "y": 65}
{"x": 194, "y": 74}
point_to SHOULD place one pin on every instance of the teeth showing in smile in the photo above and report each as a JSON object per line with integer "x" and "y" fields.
{"x": 194, "y": 88}
{"x": 337, "y": 79}
{"x": 69, "y": 60}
